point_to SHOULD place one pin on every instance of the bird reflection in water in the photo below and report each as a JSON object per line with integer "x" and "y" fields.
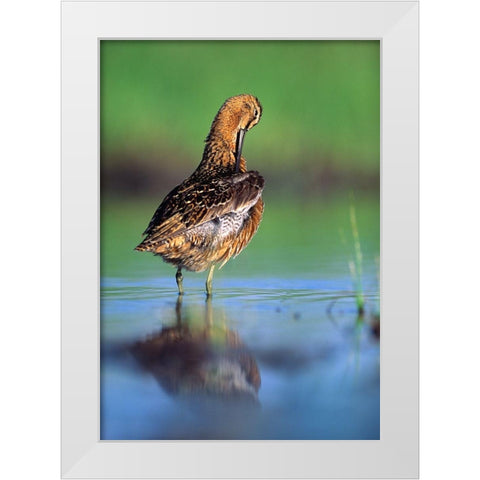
{"x": 195, "y": 359}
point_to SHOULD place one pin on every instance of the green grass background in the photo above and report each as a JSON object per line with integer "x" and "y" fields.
{"x": 320, "y": 128}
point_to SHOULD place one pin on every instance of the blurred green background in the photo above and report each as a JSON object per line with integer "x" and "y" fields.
{"x": 317, "y": 143}
{"x": 320, "y": 130}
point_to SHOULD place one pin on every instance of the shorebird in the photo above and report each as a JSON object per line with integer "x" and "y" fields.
{"x": 213, "y": 214}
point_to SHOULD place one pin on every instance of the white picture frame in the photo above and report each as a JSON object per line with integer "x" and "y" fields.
{"x": 84, "y": 24}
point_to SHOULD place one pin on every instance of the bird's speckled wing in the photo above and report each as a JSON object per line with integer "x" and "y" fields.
{"x": 190, "y": 205}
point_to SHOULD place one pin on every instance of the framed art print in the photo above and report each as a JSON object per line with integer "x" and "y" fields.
{"x": 240, "y": 239}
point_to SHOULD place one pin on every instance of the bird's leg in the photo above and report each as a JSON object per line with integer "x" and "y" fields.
{"x": 179, "y": 279}
{"x": 209, "y": 281}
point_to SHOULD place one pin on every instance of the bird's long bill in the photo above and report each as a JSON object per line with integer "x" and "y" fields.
{"x": 238, "y": 148}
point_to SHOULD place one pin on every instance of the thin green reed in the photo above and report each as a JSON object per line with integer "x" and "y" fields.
{"x": 355, "y": 265}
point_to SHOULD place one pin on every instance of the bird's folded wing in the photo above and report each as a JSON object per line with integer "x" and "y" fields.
{"x": 189, "y": 206}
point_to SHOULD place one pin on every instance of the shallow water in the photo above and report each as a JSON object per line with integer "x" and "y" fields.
{"x": 279, "y": 352}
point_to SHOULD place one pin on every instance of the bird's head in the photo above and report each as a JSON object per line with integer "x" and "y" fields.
{"x": 244, "y": 111}
{"x": 236, "y": 116}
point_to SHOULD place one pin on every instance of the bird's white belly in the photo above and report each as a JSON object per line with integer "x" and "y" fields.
{"x": 222, "y": 227}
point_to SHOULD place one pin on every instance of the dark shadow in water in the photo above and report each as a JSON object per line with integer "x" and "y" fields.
{"x": 372, "y": 320}
{"x": 200, "y": 359}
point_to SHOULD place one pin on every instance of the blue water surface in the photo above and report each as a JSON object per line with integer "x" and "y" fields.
{"x": 265, "y": 358}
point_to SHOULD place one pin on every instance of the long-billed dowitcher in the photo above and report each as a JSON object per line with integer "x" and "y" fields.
{"x": 213, "y": 214}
